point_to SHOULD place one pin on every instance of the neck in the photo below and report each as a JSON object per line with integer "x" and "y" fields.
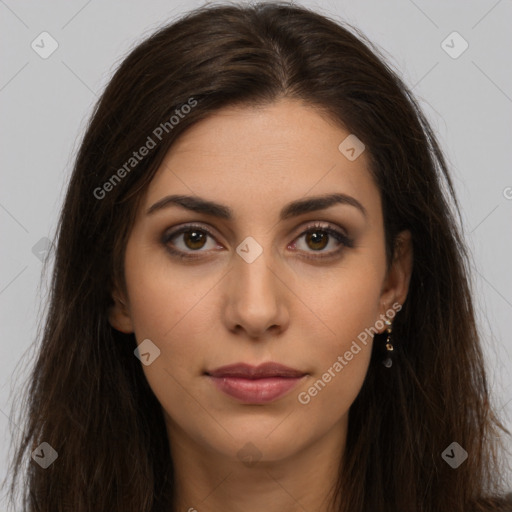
{"x": 208, "y": 481}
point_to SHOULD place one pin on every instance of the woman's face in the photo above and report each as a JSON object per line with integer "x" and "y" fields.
{"x": 248, "y": 283}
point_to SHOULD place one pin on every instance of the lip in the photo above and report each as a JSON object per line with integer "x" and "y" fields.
{"x": 255, "y": 384}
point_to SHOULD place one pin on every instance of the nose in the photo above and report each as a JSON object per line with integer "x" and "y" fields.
{"x": 256, "y": 299}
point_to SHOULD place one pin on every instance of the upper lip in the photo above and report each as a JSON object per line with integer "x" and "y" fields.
{"x": 247, "y": 371}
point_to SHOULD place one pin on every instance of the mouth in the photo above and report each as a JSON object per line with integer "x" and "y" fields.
{"x": 255, "y": 384}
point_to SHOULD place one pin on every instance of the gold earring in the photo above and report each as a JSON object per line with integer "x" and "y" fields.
{"x": 388, "y": 361}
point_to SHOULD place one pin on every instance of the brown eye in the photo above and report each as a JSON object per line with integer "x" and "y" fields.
{"x": 185, "y": 241}
{"x": 318, "y": 237}
{"x": 317, "y": 240}
{"x": 194, "y": 239}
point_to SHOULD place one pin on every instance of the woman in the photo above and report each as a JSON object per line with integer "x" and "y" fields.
{"x": 260, "y": 297}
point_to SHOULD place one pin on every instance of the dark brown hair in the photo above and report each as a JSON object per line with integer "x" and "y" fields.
{"x": 88, "y": 397}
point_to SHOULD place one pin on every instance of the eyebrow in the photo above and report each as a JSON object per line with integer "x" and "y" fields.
{"x": 293, "y": 209}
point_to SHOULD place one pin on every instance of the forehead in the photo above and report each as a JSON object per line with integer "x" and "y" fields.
{"x": 263, "y": 157}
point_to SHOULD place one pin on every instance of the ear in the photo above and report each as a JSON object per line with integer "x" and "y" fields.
{"x": 119, "y": 314}
{"x": 396, "y": 283}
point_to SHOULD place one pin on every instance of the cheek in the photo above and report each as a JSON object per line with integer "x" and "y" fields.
{"x": 174, "y": 311}
{"x": 175, "y": 308}
{"x": 327, "y": 396}
{"x": 161, "y": 293}
{"x": 340, "y": 304}
{"x": 342, "y": 312}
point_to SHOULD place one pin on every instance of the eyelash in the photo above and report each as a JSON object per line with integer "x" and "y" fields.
{"x": 344, "y": 240}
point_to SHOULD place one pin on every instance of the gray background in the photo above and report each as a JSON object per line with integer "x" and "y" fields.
{"x": 46, "y": 102}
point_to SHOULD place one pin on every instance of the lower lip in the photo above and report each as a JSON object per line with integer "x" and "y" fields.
{"x": 255, "y": 391}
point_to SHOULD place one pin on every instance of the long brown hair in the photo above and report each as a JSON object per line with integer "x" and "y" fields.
{"x": 88, "y": 397}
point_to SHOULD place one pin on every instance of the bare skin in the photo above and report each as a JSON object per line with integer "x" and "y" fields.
{"x": 219, "y": 309}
